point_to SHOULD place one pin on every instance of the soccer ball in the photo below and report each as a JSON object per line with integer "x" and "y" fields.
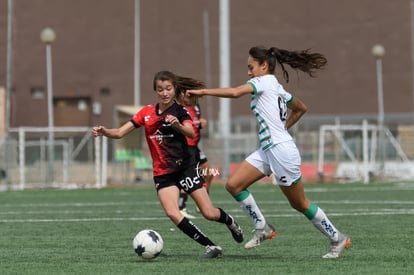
{"x": 148, "y": 244}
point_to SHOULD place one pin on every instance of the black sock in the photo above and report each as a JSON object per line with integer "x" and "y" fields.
{"x": 192, "y": 231}
{"x": 182, "y": 200}
{"x": 224, "y": 218}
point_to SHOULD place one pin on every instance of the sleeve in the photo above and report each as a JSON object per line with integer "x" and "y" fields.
{"x": 287, "y": 96}
{"x": 198, "y": 110}
{"x": 255, "y": 83}
{"x": 183, "y": 115}
{"x": 138, "y": 119}
{"x": 198, "y": 113}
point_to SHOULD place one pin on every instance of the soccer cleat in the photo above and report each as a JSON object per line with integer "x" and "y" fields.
{"x": 212, "y": 251}
{"x": 236, "y": 231}
{"x": 186, "y": 214}
{"x": 260, "y": 235}
{"x": 335, "y": 248}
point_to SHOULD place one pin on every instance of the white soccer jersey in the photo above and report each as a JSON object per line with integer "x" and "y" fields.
{"x": 268, "y": 103}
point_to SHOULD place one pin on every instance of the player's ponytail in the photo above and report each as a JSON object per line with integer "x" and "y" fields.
{"x": 303, "y": 60}
{"x": 188, "y": 83}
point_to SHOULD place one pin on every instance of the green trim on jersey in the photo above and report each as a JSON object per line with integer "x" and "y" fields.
{"x": 290, "y": 100}
{"x": 267, "y": 146}
{"x": 254, "y": 87}
{"x": 264, "y": 139}
{"x": 311, "y": 212}
{"x": 264, "y": 129}
{"x": 242, "y": 195}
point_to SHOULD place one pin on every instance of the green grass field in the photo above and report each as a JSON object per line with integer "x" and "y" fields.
{"x": 90, "y": 231}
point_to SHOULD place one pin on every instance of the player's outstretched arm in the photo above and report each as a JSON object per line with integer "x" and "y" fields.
{"x": 223, "y": 92}
{"x": 115, "y": 133}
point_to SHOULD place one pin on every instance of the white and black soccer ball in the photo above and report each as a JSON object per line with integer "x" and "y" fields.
{"x": 148, "y": 244}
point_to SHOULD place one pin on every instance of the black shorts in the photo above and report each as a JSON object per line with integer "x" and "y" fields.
{"x": 188, "y": 180}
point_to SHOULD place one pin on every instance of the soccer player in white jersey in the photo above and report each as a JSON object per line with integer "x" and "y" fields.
{"x": 278, "y": 154}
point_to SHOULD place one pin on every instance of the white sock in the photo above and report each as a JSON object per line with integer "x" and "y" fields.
{"x": 250, "y": 207}
{"x": 323, "y": 224}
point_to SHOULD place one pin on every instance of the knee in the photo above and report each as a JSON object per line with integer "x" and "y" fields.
{"x": 232, "y": 187}
{"x": 210, "y": 214}
{"x": 174, "y": 215}
{"x": 300, "y": 206}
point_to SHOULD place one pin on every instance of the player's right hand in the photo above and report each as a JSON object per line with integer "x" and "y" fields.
{"x": 98, "y": 131}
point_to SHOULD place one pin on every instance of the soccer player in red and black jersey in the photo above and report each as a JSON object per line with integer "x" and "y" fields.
{"x": 201, "y": 160}
{"x": 167, "y": 124}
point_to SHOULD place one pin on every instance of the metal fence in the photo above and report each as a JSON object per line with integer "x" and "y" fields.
{"x": 391, "y": 159}
{"x": 27, "y": 162}
{"x": 81, "y": 160}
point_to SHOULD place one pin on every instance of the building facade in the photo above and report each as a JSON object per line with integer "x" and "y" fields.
{"x": 95, "y": 49}
{"x": 102, "y": 46}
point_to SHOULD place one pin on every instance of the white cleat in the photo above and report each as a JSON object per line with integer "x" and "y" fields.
{"x": 260, "y": 235}
{"x": 335, "y": 248}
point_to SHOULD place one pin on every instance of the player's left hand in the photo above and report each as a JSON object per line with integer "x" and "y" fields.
{"x": 173, "y": 120}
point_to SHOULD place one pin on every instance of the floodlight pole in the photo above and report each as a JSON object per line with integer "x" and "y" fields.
{"x": 137, "y": 45}
{"x": 412, "y": 51}
{"x": 48, "y": 36}
{"x": 225, "y": 106}
{"x": 378, "y": 51}
{"x": 206, "y": 32}
{"x": 8, "y": 85}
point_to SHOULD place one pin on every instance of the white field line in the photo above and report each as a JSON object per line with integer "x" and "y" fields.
{"x": 355, "y": 212}
{"x": 83, "y": 220}
{"x": 76, "y": 204}
{"x": 218, "y": 203}
{"x": 362, "y": 188}
{"x": 159, "y": 210}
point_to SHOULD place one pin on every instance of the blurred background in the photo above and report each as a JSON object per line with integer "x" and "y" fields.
{"x": 67, "y": 65}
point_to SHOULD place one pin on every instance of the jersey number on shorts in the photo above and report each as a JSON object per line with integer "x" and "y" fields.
{"x": 189, "y": 183}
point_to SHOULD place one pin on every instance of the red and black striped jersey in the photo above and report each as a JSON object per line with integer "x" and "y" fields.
{"x": 167, "y": 145}
{"x": 195, "y": 115}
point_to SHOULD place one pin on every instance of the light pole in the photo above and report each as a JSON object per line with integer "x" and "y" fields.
{"x": 225, "y": 106}
{"x": 137, "y": 58}
{"x": 378, "y": 51}
{"x": 9, "y": 51}
{"x": 48, "y": 36}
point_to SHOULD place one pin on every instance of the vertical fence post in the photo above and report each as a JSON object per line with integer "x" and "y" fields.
{"x": 365, "y": 151}
{"x": 22, "y": 159}
{"x": 104, "y": 161}
{"x": 97, "y": 162}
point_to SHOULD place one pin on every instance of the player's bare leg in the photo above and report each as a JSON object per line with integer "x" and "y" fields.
{"x": 168, "y": 197}
{"x": 237, "y": 185}
{"x": 210, "y": 212}
{"x": 298, "y": 200}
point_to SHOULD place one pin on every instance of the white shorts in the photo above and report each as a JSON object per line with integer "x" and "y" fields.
{"x": 282, "y": 160}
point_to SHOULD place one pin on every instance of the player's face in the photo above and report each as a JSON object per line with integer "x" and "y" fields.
{"x": 165, "y": 91}
{"x": 254, "y": 68}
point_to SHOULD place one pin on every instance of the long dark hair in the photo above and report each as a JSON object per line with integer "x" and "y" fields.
{"x": 181, "y": 84}
{"x": 304, "y": 60}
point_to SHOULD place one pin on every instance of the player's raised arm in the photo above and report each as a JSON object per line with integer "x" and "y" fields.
{"x": 115, "y": 133}
{"x": 223, "y": 92}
